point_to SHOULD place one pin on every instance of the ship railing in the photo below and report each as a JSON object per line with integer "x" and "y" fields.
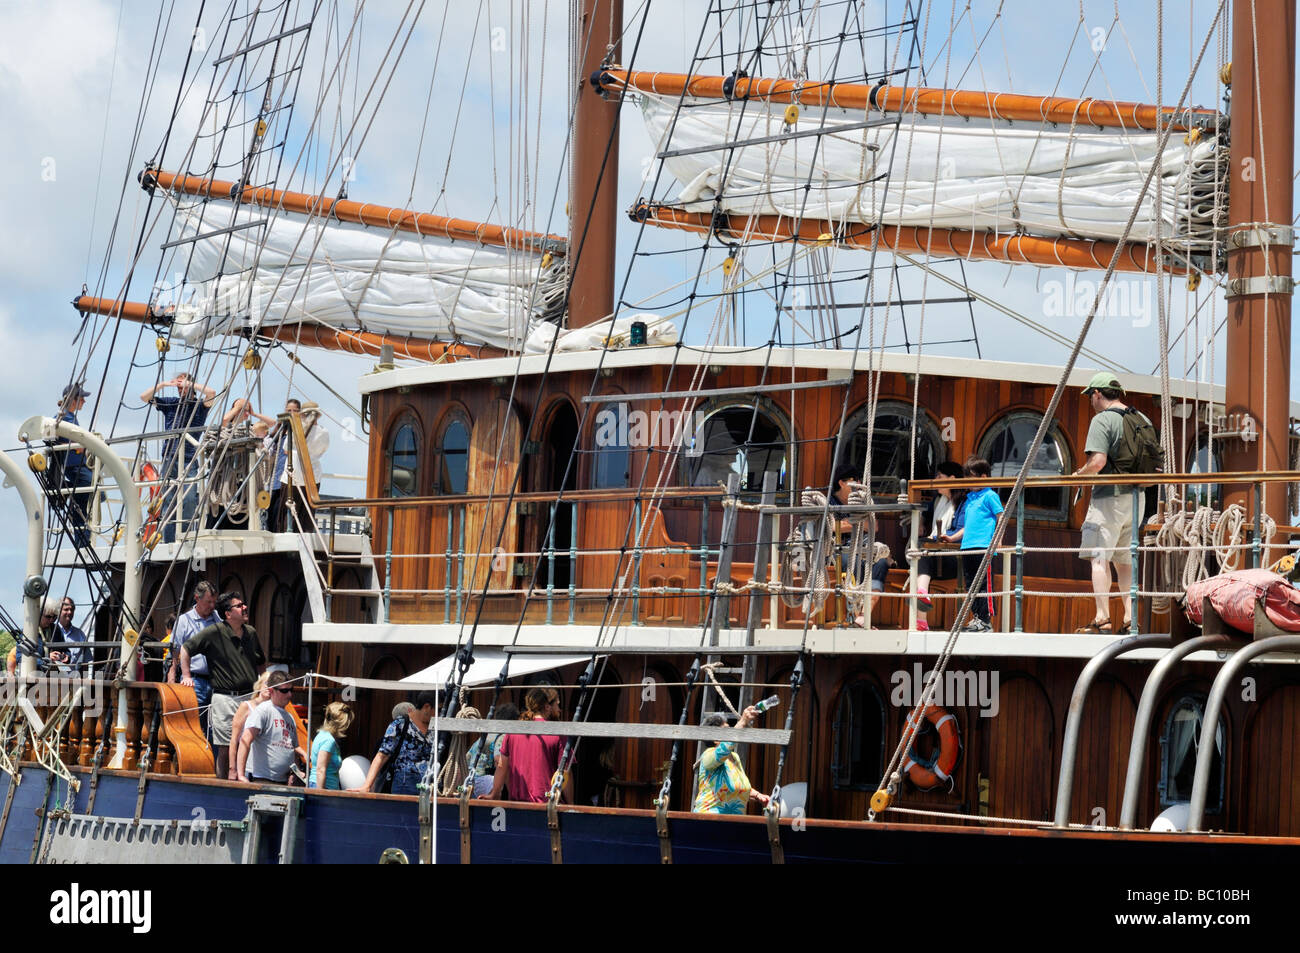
{"x": 559, "y": 575}
{"x": 177, "y": 489}
{"x": 1153, "y": 557}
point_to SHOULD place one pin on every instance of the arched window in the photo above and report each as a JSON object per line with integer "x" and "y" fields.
{"x": 453, "y": 452}
{"x": 858, "y": 737}
{"x": 1005, "y": 447}
{"x": 723, "y": 443}
{"x": 891, "y": 446}
{"x": 278, "y": 638}
{"x": 612, "y": 455}
{"x": 404, "y": 460}
{"x": 1179, "y": 742}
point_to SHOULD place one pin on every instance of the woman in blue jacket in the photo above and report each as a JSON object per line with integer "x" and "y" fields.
{"x": 978, "y": 517}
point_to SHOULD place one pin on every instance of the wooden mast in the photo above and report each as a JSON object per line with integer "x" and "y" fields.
{"x": 1258, "y": 380}
{"x": 593, "y": 198}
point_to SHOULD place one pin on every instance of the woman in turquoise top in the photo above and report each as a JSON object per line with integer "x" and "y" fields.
{"x": 325, "y": 756}
{"x": 979, "y": 517}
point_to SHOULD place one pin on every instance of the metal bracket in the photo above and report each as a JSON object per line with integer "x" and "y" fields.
{"x": 9, "y": 760}
{"x": 270, "y": 805}
{"x": 773, "y": 814}
{"x": 96, "y": 763}
{"x": 661, "y": 825}
{"x": 464, "y": 821}
{"x": 553, "y": 822}
{"x": 9, "y": 802}
{"x": 45, "y": 738}
{"x": 1260, "y": 285}
{"x": 426, "y": 823}
{"x": 140, "y": 786}
{"x": 1262, "y": 236}
{"x": 40, "y": 812}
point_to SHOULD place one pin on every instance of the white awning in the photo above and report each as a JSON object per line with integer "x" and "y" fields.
{"x": 487, "y": 666}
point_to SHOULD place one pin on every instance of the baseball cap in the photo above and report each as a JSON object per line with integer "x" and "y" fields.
{"x": 75, "y": 390}
{"x": 1102, "y": 380}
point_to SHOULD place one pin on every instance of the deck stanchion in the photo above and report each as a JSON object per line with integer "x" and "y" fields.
{"x": 1133, "y": 562}
{"x": 573, "y": 560}
{"x": 636, "y": 563}
{"x": 446, "y": 567}
{"x": 388, "y": 566}
{"x": 1020, "y": 563}
{"x": 550, "y": 567}
{"x": 460, "y": 566}
{"x": 1255, "y": 551}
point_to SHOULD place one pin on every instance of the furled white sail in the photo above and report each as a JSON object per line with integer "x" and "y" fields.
{"x": 947, "y": 173}
{"x": 296, "y": 269}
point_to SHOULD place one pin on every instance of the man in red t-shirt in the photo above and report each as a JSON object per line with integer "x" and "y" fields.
{"x": 527, "y": 763}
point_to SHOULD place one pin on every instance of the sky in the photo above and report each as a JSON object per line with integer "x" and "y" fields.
{"x": 471, "y": 123}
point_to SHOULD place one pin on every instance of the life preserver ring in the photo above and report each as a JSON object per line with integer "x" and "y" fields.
{"x": 152, "y": 501}
{"x": 928, "y": 773}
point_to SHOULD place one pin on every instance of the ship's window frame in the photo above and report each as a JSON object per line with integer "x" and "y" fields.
{"x": 403, "y": 422}
{"x": 926, "y": 429}
{"x": 279, "y": 640}
{"x": 856, "y": 694}
{"x": 1194, "y": 701}
{"x": 453, "y": 418}
{"x": 691, "y": 463}
{"x": 1057, "y": 512}
{"x": 605, "y": 459}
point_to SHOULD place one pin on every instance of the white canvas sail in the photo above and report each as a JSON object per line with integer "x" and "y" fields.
{"x": 948, "y": 173}
{"x": 294, "y": 270}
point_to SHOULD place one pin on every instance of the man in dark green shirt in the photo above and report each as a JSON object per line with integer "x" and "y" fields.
{"x": 234, "y": 658}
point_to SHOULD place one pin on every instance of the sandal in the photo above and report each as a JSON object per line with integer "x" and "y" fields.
{"x": 1096, "y": 627}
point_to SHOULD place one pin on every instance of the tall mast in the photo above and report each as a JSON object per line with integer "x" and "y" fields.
{"x": 1259, "y": 325}
{"x": 593, "y": 193}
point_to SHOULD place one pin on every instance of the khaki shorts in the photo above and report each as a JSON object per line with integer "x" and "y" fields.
{"x": 1109, "y": 524}
{"x": 221, "y": 717}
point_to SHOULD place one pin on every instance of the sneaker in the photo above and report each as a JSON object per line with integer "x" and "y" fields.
{"x": 977, "y": 625}
{"x": 923, "y": 601}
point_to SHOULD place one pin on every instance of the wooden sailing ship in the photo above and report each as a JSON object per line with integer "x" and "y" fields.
{"x": 502, "y": 519}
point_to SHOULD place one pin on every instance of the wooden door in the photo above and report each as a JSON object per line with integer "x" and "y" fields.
{"x": 494, "y": 448}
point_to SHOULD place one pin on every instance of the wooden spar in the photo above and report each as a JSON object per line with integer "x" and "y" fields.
{"x": 305, "y": 335}
{"x": 358, "y": 213}
{"x": 940, "y": 242}
{"x": 593, "y": 201}
{"x": 1258, "y": 365}
{"x": 928, "y": 101}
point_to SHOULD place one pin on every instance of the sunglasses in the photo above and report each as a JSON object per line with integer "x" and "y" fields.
{"x": 282, "y": 691}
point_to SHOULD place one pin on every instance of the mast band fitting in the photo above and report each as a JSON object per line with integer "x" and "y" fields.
{"x": 1262, "y": 236}
{"x": 1273, "y": 284}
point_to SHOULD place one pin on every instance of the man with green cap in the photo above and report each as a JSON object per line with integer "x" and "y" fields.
{"x": 1108, "y": 525}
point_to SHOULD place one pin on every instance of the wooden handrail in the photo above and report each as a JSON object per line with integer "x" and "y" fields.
{"x": 1111, "y": 479}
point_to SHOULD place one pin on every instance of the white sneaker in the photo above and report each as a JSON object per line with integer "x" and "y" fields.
{"x": 977, "y": 625}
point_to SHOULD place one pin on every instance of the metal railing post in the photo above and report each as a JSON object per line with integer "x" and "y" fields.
{"x": 636, "y": 563}
{"x": 460, "y": 566}
{"x": 1255, "y": 550}
{"x": 573, "y": 560}
{"x": 388, "y": 567}
{"x": 550, "y": 566}
{"x": 1020, "y": 563}
{"x": 1133, "y": 562}
{"x": 446, "y": 567}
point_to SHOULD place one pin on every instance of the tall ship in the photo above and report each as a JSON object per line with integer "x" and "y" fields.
{"x": 677, "y": 439}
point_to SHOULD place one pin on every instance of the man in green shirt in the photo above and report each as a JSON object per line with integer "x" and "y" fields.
{"x": 1108, "y": 525}
{"x": 234, "y": 659}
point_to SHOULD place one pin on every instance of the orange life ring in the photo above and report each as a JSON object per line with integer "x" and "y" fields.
{"x": 154, "y": 506}
{"x": 928, "y": 773}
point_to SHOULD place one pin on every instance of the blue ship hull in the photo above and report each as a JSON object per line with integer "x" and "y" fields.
{"x": 342, "y": 828}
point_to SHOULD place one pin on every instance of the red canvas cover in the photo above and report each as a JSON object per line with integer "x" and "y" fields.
{"x": 1233, "y": 596}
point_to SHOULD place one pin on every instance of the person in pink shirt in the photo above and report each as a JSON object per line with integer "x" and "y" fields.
{"x": 527, "y": 764}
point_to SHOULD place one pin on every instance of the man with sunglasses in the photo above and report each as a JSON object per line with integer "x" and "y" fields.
{"x": 234, "y": 657}
{"x": 269, "y": 743}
